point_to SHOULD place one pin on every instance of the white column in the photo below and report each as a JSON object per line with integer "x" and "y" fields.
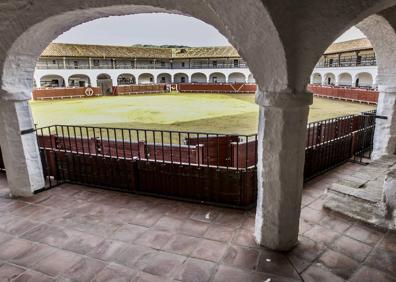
{"x": 337, "y": 80}
{"x": 19, "y": 148}
{"x": 66, "y": 80}
{"x": 281, "y": 154}
{"x": 385, "y": 129}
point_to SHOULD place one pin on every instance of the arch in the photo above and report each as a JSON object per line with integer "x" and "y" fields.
{"x": 344, "y": 79}
{"x": 49, "y": 24}
{"x": 180, "y": 78}
{"x": 217, "y": 77}
{"x": 103, "y": 76}
{"x": 377, "y": 28}
{"x": 79, "y": 80}
{"x": 164, "y": 78}
{"x": 105, "y": 82}
{"x": 329, "y": 79}
{"x": 316, "y": 78}
{"x": 236, "y": 77}
{"x": 145, "y": 78}
{"x": 52, "y": 80}
{"x": 251, "y": 79}
{"x": 364, "y": 80}
{"x": 199, "y": 77}
{"x": 126, "y": 79}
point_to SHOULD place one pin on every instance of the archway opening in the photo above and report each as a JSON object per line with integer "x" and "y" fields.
{"x": 79, "y": 80}
{"x": 217, "y": 77}
{"x": 345, "y": 79}
{"x": 364, "y": 80}
{"x": 329, "y": 79}
{"x": 52, "y": 81}
{"x": 146, "y": 78}
{"x": 180, "y": 78}
{"x": 199, "y": 77}
{"x": 105, "y": 82}
{"x": 126, "y": 79}
{"x": 236, "y": 77}
{"x": 164, "y": 78}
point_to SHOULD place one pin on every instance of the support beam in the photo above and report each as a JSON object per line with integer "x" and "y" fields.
{"x": 19, "y": 148}
{"x": 281, "y": 154}
{"x": 385, "y": 129}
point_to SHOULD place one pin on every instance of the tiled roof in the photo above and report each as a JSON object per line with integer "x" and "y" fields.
{"x": 100, "y": 51}
{"x": 205, "y": 52}
{"x": 350, "y": 45}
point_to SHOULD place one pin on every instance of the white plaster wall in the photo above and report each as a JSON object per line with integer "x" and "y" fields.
{"x": 335, "y": 72}
{"x": 316, "y": 78}
{"x": 114, "y": 73}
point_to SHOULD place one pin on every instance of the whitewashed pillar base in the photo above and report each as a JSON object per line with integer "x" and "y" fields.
{"x": 385, "y": 129}
{"x": 281, "y": 154}
{"x": 20, "y": 151}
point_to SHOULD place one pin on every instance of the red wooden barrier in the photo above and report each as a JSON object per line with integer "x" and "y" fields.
{"x": 65, "y": 92}
{"x": 217, "y": 88}
{"x": 343, "y": 93}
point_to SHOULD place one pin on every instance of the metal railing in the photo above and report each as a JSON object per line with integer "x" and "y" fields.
{"x": 209, "y": 167}
{"x": 348, "y": 62}
{"x": 143, "y": 66}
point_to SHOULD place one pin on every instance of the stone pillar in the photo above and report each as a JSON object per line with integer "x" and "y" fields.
{"x": 385, "y": 129}
{"x": 19, "y": 148}
{"x": 281, "y": 153}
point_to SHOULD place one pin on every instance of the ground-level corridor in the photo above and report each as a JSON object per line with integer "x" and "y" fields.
{"x": 77, "y": 233}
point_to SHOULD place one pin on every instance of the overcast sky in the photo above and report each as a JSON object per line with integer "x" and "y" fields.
{"x": 155, "y": 29}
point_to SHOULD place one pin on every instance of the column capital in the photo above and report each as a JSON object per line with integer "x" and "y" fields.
{"x": 286, "y": 98}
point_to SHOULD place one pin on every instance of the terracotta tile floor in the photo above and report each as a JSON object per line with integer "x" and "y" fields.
{"x": 76, "y": 233}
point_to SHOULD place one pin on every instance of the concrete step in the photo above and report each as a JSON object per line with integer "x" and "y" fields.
{"x": 358, "y": 208}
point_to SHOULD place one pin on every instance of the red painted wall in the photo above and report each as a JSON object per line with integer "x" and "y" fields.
{"x": 350, "y": 94}
{"x": 66, "y": 92}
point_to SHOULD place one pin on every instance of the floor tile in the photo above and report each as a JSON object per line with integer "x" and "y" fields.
{"x": 364, "y": 234}
{"x": 241, "y": 257}
{"x": 219, "y": 233}
{"x": 128, "y": 233}
{"x": 276, "y": 263}
{"x": 160, "y": 263}
{"x": 182, "y": 244}
{"x": 154, "y": 239}
{"x": 210, "y": 250}
{"x": 367, "y": 274}
{"x": 195, "y": 270}
{"x": 316, "y": 273}
{"x": 9, "y": 272}
{"x": 115, "y": 272}
{"x": 352, "y": 248}
{"x": 339, "y": 264}
{"x": 84, "y": 270}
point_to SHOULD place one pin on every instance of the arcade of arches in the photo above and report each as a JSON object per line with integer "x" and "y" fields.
{"x": 281, "y": 49}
